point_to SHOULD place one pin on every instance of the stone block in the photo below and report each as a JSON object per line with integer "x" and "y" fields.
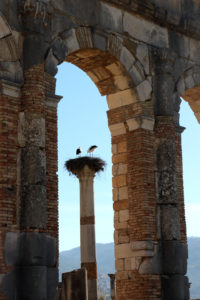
{"x": 175, "y": 287}
{"x": 142, "y": 54}
{"x": 11, "y": 71}
{"x": 71, "y": 41}
{"x": 31, "y": 130}
{"x": 135, "y": 262}
{"x": 33, "y": 207}
{"x": 115, "y": 68}
{"x": 8, "y": 49}
{"x": 119, "y": 264}
{"x": 122, "y": 82}
{"x": 52, "y": 282}
{"x": 127, "y": 58}
{"x": 145, "y": 31}
{"x": 119, "y": 181}
{"x": 123, "y": 215}
{"x": 175, "y": 254}
{"x": 119, "y": 169}
{"x": 9, "y": 284}
{"x": 123, "y": 251}
{"x": 11, "y": 248}
{"x": 51, "y": 63}
{"x": 33, "y": 283}
{"x": 99, "y": 41}
{"x": 122, "y": 98}
{"x": 170, "y": 222}
{"x": 117, "y": 129}
{"x": 136, "y": 74}
{"x": 37, "y": 249}
{"x": 144, "y": 90}
{"x": 4, "y": 28}
{"x": 114, "y": 148}
{"x": 33, "y": 166}
{"x": 122, "y": 147}
{"x": 110, "y": 17}
{"x": 133, "y": 124}
{"x": 142, "y": 245}
{"x": 148, "y": 123}
{"x": 123, "y": 193}
{"x": 121, "y": 225}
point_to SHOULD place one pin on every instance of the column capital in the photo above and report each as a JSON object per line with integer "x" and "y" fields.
{"x": 85, "y": 167}
{"x": 163, "y": 59}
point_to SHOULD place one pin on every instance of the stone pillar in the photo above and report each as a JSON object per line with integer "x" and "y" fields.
{"x": 169, "y": 203}
{"x": 87, "y": 227}
{"x": 37, "y": 264}
{"x": 85, "y": 168}
{"x": 112, "y": 286}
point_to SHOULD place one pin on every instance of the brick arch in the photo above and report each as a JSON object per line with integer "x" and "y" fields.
{"x": 188, "y": 87}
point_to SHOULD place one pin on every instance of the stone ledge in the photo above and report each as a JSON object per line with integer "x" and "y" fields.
{"x": 10, "y": 89}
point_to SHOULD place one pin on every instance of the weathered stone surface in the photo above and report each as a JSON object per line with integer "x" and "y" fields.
{"x": 4, "y": 28}
{"x": 33, "y": 281}
{"x": 51, "y": 63}
{"x": 33, "y": 166}
{"x": 110, "y": 17}
{"x": 11, "y": 71}
{"x": 37, "y": 43}
{"x": 127, "y": 58}
{"x": 146, "y": 31}
{"x": 175, "y": 254}
{"x": 166, "y": 177}
{"x": 144, "y": 90}
{"x": 31, "y": 130}
{"x": 175, "y": 287}
{"x": 170, "y": 222}
{"x": 33, "y": 207}
{"x": 8, "y": 49}
{"x": 11, "y": 248}
{"x": 117, "y": 129}
{"x": 37, "y": 249}
{"x": 52, "y": 282}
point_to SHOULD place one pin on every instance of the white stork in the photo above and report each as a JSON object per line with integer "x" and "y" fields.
{"x": 78, "y": 151}
{"x": 92, "y": 149}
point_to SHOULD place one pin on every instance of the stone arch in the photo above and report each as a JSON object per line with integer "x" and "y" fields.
{"x": 188, "y": 87}
{"x": 126, "y": 80}
{"x": 10, "y": 44}
{"x": 118, "y": 72}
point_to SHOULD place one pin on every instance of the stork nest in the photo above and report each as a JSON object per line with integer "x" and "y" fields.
{"x": 77, "y": 164}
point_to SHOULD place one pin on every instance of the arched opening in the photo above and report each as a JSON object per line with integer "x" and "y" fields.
{"x": 81, "y": 110}
{"x": 82, "y": 121}
{"x": 191, "y": 165}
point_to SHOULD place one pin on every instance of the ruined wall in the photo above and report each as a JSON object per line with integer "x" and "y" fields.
{"x": 143, "y": 55}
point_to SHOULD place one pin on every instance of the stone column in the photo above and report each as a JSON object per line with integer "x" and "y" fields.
{"x": 112, "y": 286}
{"x": 85, "y": 168}
{"x": 169, "y": 207}
{"x": 87, "y": 227}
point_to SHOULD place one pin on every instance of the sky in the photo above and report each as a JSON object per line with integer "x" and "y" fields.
{"x": 82, "y": 121}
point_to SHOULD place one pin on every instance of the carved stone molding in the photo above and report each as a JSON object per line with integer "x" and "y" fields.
{"x": 36, "y": 11}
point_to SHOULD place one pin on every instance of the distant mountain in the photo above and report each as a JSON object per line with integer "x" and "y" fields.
{"x": 70, "y": 260}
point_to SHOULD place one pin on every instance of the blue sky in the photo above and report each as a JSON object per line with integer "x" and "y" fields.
{"x": 82, "y": 121}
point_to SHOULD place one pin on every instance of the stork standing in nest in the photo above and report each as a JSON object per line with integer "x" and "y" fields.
{"x": 92, "y": 149}
{"x": 78, "y": 151}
